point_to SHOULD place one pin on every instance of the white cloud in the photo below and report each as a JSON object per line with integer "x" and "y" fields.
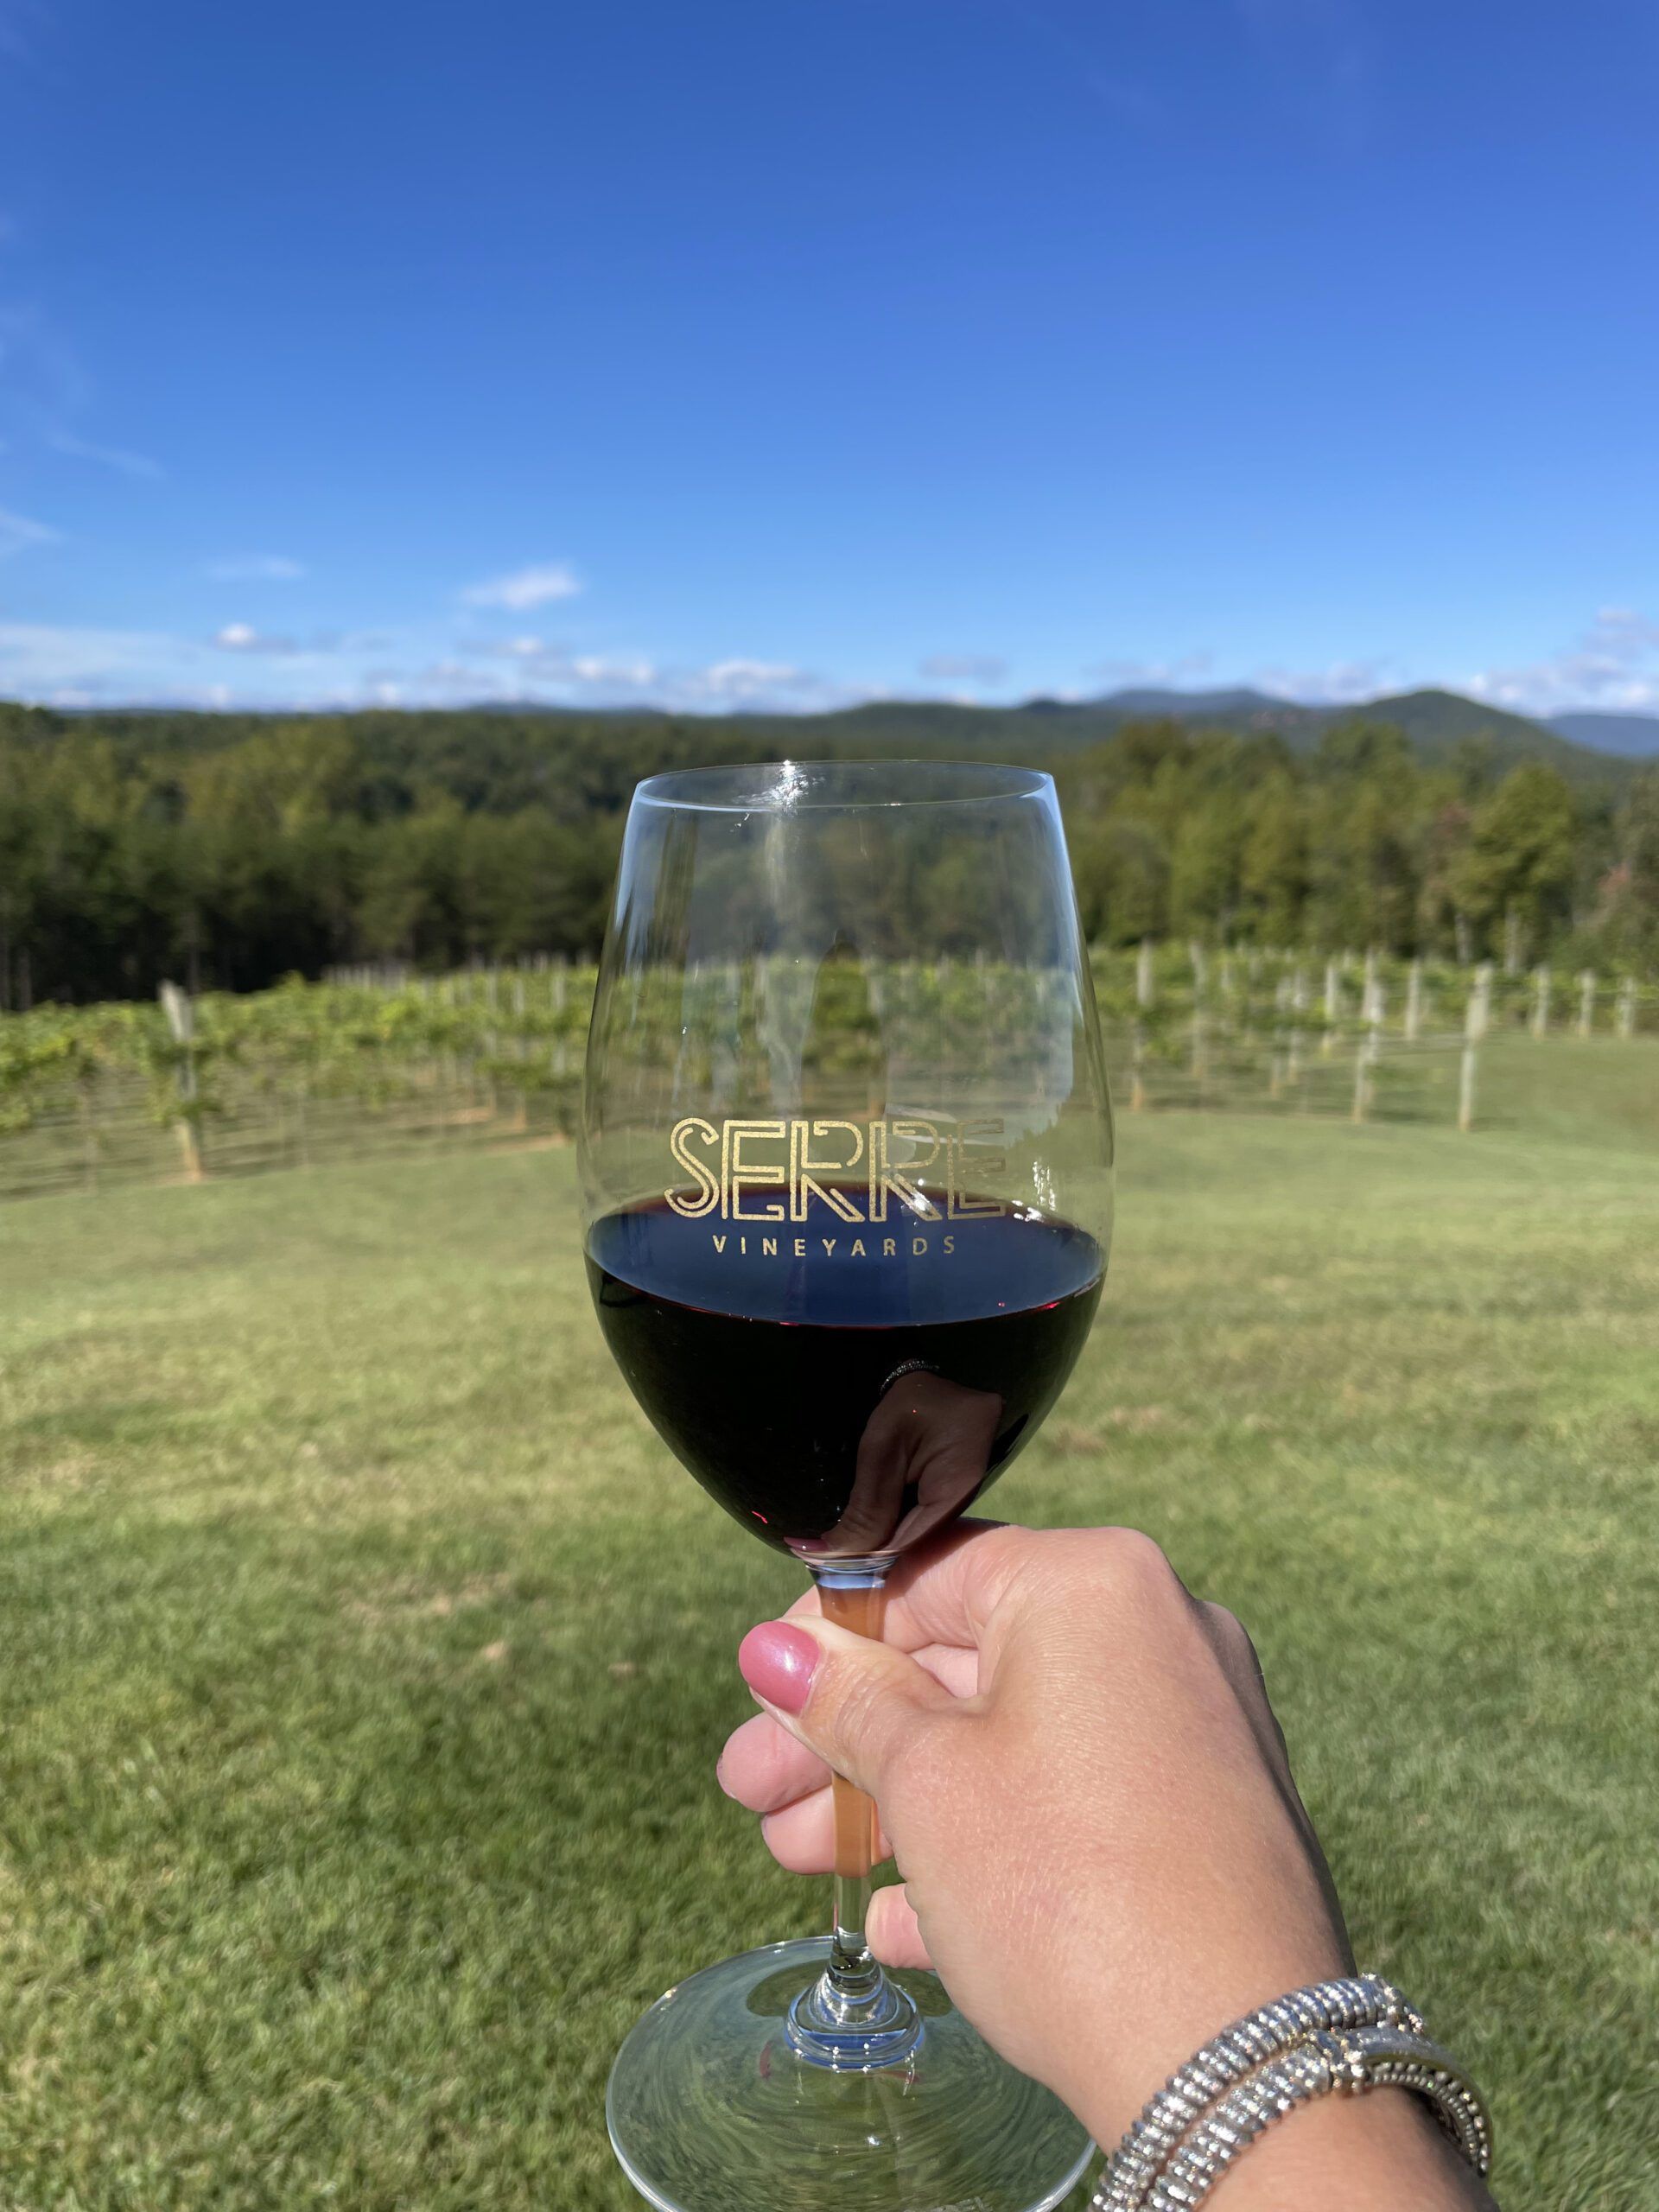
{"x": 1614, "y": 666}
{"x": 116, "y": 457}
{"x": 1621, "y": 631}
{"x": 17, "y": 531}
{"x": 45, "y": 660}
{"x": 243, "y": 638}
{"x": 255, "y": 569}
{"x": 964, "y": 668}
{"x": 525, "y": 588}
{"x": 742, "y": 680}
{"x": 327, "y": 671}
{"x": 1152, "y": 672}
{"x": 595, "y": 668}
{"x": 544, "y": 662}
{"x": 1338, "y": 684}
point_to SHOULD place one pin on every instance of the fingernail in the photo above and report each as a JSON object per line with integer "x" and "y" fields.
{"x": 777, "y": 1661}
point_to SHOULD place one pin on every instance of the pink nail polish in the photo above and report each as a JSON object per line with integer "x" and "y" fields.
{"x": 777, "y": 1661}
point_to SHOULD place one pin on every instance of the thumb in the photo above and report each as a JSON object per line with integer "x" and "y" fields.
{"x": 855, "y": 1701}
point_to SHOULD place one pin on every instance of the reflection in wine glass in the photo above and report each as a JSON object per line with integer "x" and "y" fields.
{"x": 925, "y": 1451}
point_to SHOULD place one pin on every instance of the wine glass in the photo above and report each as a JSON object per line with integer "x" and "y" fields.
{"x": 846, "y": 1164}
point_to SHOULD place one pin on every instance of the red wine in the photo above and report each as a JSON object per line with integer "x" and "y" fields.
{"x": 843, "y": 1390}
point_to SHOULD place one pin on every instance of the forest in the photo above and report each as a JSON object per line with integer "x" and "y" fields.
{"x": 229, "y": 851}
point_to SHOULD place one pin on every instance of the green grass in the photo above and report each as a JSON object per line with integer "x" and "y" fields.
{"x": 364, "y": 1659}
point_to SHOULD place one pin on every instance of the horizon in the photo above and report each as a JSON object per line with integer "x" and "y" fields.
{"x": 1025, "y": 355}
{"x": 1168, "y": 699}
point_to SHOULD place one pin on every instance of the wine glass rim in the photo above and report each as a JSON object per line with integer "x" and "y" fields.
{"x": 835, "y": 786}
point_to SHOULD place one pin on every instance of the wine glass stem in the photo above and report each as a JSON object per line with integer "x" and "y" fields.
{"x": 853, "y": 2015}
{"x": 854, "y": 1600}
{"x": 850, "y": 1957}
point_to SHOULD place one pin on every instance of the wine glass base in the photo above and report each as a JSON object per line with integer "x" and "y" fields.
{"x": 711, "y": 2108}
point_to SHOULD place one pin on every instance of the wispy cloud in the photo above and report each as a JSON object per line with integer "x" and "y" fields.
{"x": 525, "y": 589}
{"x": 114, "y": 457}
{"x": 255, "y": 569}
{"x": 1614, "y": 666}
{"x": 1338, "y": 684}
{"x": 69, "y": 665}
{"x": 539, "y": 667}
{"x": 1179, "y": 671}
{"x": 964, "y": 668}
{"x": 542, "y": 659}
{"x": 1320, "y": 51}
{"x": 243, "y": 638}
{"x": 46, "y": 393}
{"x": 742, "y": 682}
{"x": 17, "y": 530}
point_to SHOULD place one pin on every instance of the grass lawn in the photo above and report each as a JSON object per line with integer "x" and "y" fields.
{"x": 364, "y": 1658}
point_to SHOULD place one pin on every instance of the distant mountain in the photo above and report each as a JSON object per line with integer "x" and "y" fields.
{"x": 1633, "y": 737}
{"x": 1438, "y": 724}
{"x": 1240, "y": 704}
{"x": 1598, "y": 754}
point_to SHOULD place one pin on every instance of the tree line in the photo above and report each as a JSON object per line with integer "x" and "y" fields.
{"x": 228, "y": 851}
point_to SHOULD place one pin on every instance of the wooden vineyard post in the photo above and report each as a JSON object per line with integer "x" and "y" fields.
{"x": 1332, "y": 1007}
{"x": 1414, "y": 1001}
{"x": 1512, "y": 939}
{"x": 1298, "y": 1003}
{"x": 1144, "y": 974}
{"x": 86, "y": 1116}
{"x": 1137, "y": 1067}
{"x": 1199, "y": 1054}
{"x": 1474, "y": 1028}
{"x": 1480, "y": 1003}
{"x": 1626, "y": 1015}
{"x": 1541, "y": 1000}
{"x": 1586, "y": 1001}
{"x": 1370, "y": 1051}
{"x": 182, "y": 1022}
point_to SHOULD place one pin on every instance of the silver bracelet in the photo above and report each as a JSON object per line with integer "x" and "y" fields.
{"x": 906, "y": 1367}
{"x": 1351, "y": 2035}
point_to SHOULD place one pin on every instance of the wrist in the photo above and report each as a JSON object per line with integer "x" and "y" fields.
{"x": 1139, "y": 2042}
{"x": 1368, "y": 2154}
{"x": 1333, "y": 2093}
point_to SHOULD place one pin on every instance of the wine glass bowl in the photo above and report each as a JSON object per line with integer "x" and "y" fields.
{"x": 846, "y": 1165}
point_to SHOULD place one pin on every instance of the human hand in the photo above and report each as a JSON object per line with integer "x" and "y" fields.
{"x": 1104, "y": 1854}
{"x": 928, "y": 1440}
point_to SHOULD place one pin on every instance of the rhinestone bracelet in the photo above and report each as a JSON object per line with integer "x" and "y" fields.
{"x": 1351, "y": 2035}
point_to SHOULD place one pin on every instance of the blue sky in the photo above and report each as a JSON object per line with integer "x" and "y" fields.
{"x": 790, "y": 353}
